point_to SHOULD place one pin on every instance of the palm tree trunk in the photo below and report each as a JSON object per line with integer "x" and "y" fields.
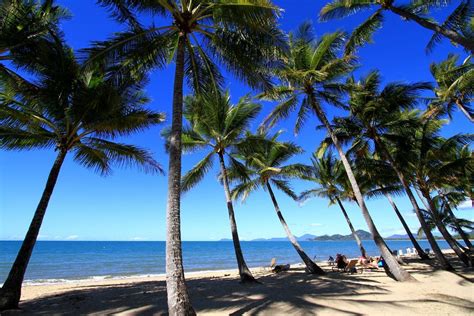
{"x": 392, "y": 267}
{"x": 442, "y": 228}
{"x": 417, "y": 246}
{"x": 310, "y": 264}
{"x": 178, "y": 298}
{"x": 10, "y": 292}
{"x": 356, "y": 237}
{"x": 464, "y": 110}
{"x": 244, "y": 272}
{"x": 451, "y": 35}
{"x": 434, "y": 245}
{"x": 462, "y": 233}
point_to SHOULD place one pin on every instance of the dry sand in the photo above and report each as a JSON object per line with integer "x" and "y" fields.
{"x": 437, "y": 292}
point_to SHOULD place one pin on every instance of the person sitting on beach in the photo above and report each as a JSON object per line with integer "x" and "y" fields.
{"x": 369, "y": 262}
{"x": 281, "y": 267}
{"x": 341, "y": 261}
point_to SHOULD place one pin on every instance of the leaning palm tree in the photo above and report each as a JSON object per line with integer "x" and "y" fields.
{"x": 217, "y": 126}
{"x": 327, "y": 172}
{"x": 72, "y": 111}
{"x": 311, "y": 76}
{"x": 454, "y": 86}
{"x": 457, "y": 27}
{"x": 241, "y": 35}
{"x": 433, "y": 160}
{"x": 376, "y": 121}
{"x": 265, "y": 165}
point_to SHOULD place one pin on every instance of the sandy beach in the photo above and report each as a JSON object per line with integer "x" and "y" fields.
{"x": 437, "y": 292}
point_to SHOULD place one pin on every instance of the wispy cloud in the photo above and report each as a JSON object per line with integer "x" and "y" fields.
{"x": 409, "y": 214}
{"x": 465, "y": 205}
{"x": 315, "y": 224}
{"x": 72, "y": 237}
{"x": 137, "y": 239}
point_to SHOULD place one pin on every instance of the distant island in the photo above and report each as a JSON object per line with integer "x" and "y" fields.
{"x": 364, "y": 235}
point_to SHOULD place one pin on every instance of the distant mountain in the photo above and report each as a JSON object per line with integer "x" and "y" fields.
{"x": 397, "y": 236}
{"x": 361, "y": 233}
{"x": 305, "y": 237}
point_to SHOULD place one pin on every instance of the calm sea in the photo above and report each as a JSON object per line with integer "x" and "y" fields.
{"x": 61, "y": 261}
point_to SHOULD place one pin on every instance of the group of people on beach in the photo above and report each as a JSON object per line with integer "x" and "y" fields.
{"x": 341, "y": 261}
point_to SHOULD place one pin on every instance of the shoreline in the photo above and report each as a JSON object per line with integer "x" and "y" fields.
{"x": 219, "y": 292}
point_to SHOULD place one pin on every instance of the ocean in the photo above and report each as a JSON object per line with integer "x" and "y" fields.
{"x": 64, "y": 261}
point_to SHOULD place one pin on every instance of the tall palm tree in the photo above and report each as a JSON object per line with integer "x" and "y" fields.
{"x": 450, "y": 198}
{"x": 327, "y": 172}
{"x": 23, "y": 21}
{"x": 454, "y": 86}
{"x": 382, "y": 180}
{"x": 376, "y": 119}
{"x": 72, "y": 111}
{"x": 457, "y": 26}
{"x": 266, "y": 165}
{"x": 311, "y": 74}
{"x": 431, "y": 157}
{"x": 217, "y": 126}
{"x": 241, "y": 35}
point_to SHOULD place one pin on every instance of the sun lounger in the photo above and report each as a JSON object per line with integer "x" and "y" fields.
{"x": 272, "y": 264}
{"x": 350, "y": 267}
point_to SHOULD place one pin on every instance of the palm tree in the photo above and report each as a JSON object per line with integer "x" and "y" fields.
{"x": 454, "y": 86}
{"x": 218, "y": 126}
{"x": 450, "y": 198}
{"x": 241, "y": 35}
{"x": 265, "y": 161}
{"x": 73, "y": 111}
{"x": 24, "y": 21}
{"x": 431, "y": 157}
{"x": 311, "y": 74}
{"x": 376, "y": 119}
{"x": 328, "y": 173}
{"x": 382, "y": 180}
{"x": 457, "y": 27}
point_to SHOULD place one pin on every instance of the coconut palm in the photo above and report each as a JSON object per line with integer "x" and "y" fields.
{"x": 23, "y": 21}
{"x": 376, "y": 122}
{"x": 433, "y": 160}
{"x": 241, "y": 35}
{"x": 311, "y": 76}
{"x": 72, "y": 111}
{"x": 328, "y": 173}
{"x": 265, "y": 165}
{"x": 450, "y": 198}
{"x": 454, "y": 86}
{"x": 217, "y": 126}
{"x": 457, "y": 27}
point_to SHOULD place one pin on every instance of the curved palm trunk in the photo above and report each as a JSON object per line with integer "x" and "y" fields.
{"x": 463, "y": 109}
{"x": 417, "y": 246}
{"x": 426, "y": 230}
{"x": 178, "y": 298}
{"x": 356, "y": 237}
{"x": 462, "y": 233}
{"x": 244, "y": 272}
{"x": 310, "y": 264}
{"x": 451, "y": 35}
{"x": 392, "y": 267}
{"x": 10, "y": 292}
{"x": 442, "y": 229}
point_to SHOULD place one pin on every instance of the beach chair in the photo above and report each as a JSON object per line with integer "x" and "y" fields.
{"x": 408, "y": 251}
{"x": 351, "y": 266}
{"x": 400, "y": 253}
{"x": 414, "y": 251}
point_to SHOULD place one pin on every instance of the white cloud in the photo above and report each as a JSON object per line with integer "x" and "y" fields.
{"x": 465, "y": 205}
{"x": 43, "y": 237}
{"x": 409, "y": 214}
{"x": 137, "y": 238}
{"x": 72, "y": 237}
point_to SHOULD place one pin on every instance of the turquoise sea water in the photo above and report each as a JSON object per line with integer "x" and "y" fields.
{"x": 60, "y": 261}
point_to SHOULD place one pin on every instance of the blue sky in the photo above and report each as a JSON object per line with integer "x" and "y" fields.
{"x": 129, "y": 205}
